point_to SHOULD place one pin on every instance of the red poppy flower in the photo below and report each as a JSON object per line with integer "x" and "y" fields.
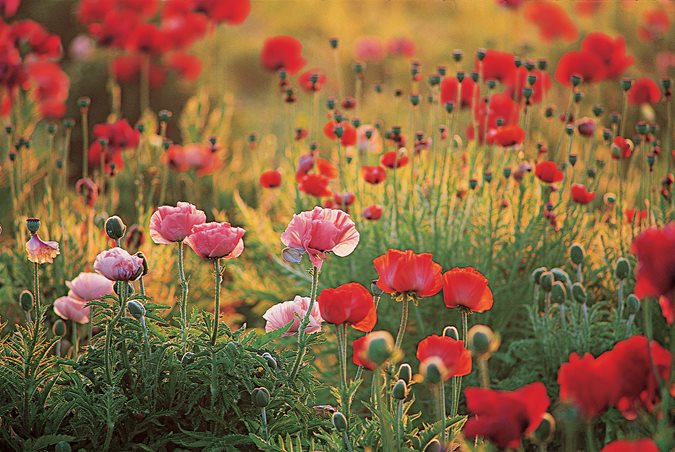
{"x": 655, "y": 273}
{"x": 500, "y": 66}
{"x": 581, "y": 195}
{"x": 500, "y": 107}
{"x": 584, "y": 382}
{"x": 636, "y": 216}
{"x": 450, "y": 88}
{"x": 452, "y": 355}
{"x": 305, "y": 80}
{"x": 180, "y": 25}
{"x": 110, "y": 155}
{"x": 373, "y": 174}
{"x": 115, "y": 29}
{"x": 644, "y": 91}
{"x": 622, "y": 148}
{"x": 326, "y": 168}
{"x": 360, "y": 350}
{"x": 548, "y": 172}
{"x": 305, "y": 165}
{"x": 611, "y": 51}
{"x": 147, "y": 38}
{"x": 124, "y": 68}
{"x": 349, "y": 303}
{"x": 503, "y": 417}
{"x": 187, "y": 66}
{"x": 466, "y": 287}
{"x": 32, "y": 38}
{"x": 407, "y": 272}
{"x": 507, "y": 136}
{"x": 343, "y": 198}
{"x": 584, "y": 64}
{"x": 655, "y": 25}
{"x": 8, "y": 7}
{"x": 91, "y": 11}
{"x": 270, "y": 179}
{"x": 393, "y": 160}
{"x": 51, "y": 86}
{"x": 586, "y": 127}
{"x": 551, "y": 20}
{"x": 197, "y": 157}
{"x": 625, "y": 445}
{"x": 282, "y": 52}
{"x": 348, "y": 132}
{"x": 540, "y": 87}
{"x": 315, "y": 185}
{"x": 401, "y": 46}
{"x": 588, "y": 7}
{"x": 373, "y": 212}
{"x": 233, "y": 12}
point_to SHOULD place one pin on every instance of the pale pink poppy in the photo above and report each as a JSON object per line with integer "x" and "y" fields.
{"x": 41, "y": 252}
{"x": 89, "y": 286}
{"x": 172, "y": 224}
{"x": 201, "y": 158}
{"x": 281, "y": 314}
{"x": 215, "y": 240}
{"x": 365, "y": 144}
{"x": 318, "y": 232}
{"x": 117, "y": 264}
{"x": 368, "y": 48}
{"x": 71, "y": 309}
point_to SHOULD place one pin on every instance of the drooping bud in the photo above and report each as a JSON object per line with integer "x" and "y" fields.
{"x": 544, "y": 433}
{"x": 546, "y": 281}
{"x": 187, "y": 358}
{"x": 536, "y": 274}
{"x": 558, "y": 293}
{"x": 451, "y": 331}
{"x": 62, "y": 446}
{"x": 136, "y": 309}
{"x": 26, "y": 300}
{"x": 579, "y": 293}
{"x": 632, "y": 304}
{"x": 261, "y": 397}
{"x": 271, "y": 362}
{"x": 145, "y": 263}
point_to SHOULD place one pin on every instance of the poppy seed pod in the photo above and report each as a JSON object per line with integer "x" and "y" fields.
{"x": 558, "y": 293}
{"x": 575, "y": 80}
{"x": 572, "y": 158}
{"x": 339, "y": 422}
{"x": 622, "y": 268}
{"x": 136, "y": 309}
{"x": 400, "y": 390}
{"x": 83, "y": 102}
{"x": 460, "y": 76}
{"x": 374, "y": 289}
{"x": 577, "y": 253}
{"x": 26, "y": 300}
{"x": 59, "y": 328}
{"x": 473, "y": 183}
{"x": 334, "y": 42}
{"x": 457, "y": 55}
{"x": 271, "y": 362}
{"x": 544, "y": 433}
{"x": 626, "y": 83}
{"x": 33, "y": 224}
{"x": 632, "y": 304}
{"x": 579, "y": 293}
{"x": 115, "y": 227}
{"x": 481, "y": 54}
{"x": 546, "y": 281}
{"x": 145, "y": 263}
{"x": 451, "y": 331}
{"x": 261, "y": 397}
{"x": 405, "y": 372}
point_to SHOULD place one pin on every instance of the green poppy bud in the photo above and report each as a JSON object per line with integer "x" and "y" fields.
{"x": 622, "y": 268}
{"x": 579, "y": 293}
{"x": 536, "y": 274}
{"x": 26, "y": 300}
{"x": 546, "y": 281}
{"x": 164, "y": 115}
{"x": 375, "y": 289}
{"x": 136, "y": 309}
{"x": 432, "y": 373}
{"x": 261, "y": 397}
{"x": 577, "y": 253}
{"x": 632, "y": 304}
{"x": 558, "y": 293}
{"x": 115, "y": 227}
{"x": 400, "y": 390}
{"x": 405, "y": 372}
{"x": 187, "y": 358}
{"x": 339, "y": 422}
{"x": 62, "y": 446}
{"x": 271, "y": 362}
{"x": 59, "y": 328}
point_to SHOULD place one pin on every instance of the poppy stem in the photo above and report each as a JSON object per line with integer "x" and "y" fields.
{"x": 84, "y": 112}
{"x": 183, "y": 297}
{"x": 441, "y": 409}
{"x": 74, "y": 339}
{"x": 216, "y": 297}
{"x": 302, "y": 345}
{"x": 402, "y": 325}
{"x": 590, "y": 443}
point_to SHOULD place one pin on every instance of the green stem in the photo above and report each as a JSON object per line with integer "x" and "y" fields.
{"x": 402, "y": 325}
{"x": 85, "y": 142}
{"x": 590, "y": 442}
{"x": 216, "y": 313}
{"x": 302, "y": 345}
{"x": 74, "y": 339}
{"x": 183, "y": 297}
{"x": 441, "y": 409}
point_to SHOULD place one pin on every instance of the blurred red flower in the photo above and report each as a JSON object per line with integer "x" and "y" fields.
{"x": 373, "y": 212}
{"x": 187, "y": 66}
{"x": 503, "y": 417}
{"x": 197, "y": 157}
{"x": 393, "y": 159}
{"x": 449, "y": 354}
{"x": 348, "y": 132}
{"x": 51, "y": 88}
{"x": 312, "y": 80}
{"x": 315, "y": 185}
{"x": 450, "y": 88}
{"x": 507, "y": 136}
{"x": 540, "y": 87}
{"x": 587, "y": 65}
{"x": 270, "y": 179}
{"x": 406, "y": 272}
{"x": 548, "y": 172}
{"x": 655, "y": 25}
{"x": 349, "y": 303}
{"x": 369, "y": 49}
{"x": 147, "y": 38}
{"x": 625, "y": 445}
{"x": 497, "y": 65}
{"x": 622, "y": 148}
{"x": 233, "y": 12}
{"x": 581, "y": 195}
{"x": 500, "y": 107}
{"x": 551, "y": 20}
{"x": 8, "y": 7}
{"x": 468, "y": 288}
{"x": 612, "y": 52}
{"x": 635, "y": 215}
{"x": 401, "y": 46}
{"x": 373, "y": 174}
{"x": 588, "y": 7}
{"x": 644, "y": 91}
{"x": 282, "y": 52}
{"x": 359, "y": 357}
{"x": 585, "y": 383}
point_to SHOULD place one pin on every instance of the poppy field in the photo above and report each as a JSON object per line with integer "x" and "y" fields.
{"x": 240, "y": 225}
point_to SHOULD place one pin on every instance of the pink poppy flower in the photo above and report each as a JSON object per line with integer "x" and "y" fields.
{"x": 117, "y": 264}
{"x": 89, "y": 286}
{"x": 281, "y": 314}
{"x": 318, "y": 232}
{"x": 215, "y": 240}
{"x": 71, "y": 309}
{"x": 41, "y": 252}
{"x": 172, "y": 224}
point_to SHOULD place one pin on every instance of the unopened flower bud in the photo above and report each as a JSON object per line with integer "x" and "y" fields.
{"x": 457, "y": 55}
{"x": 481, "y": 54}
{"x": 546, "y": 281}
{"x": 544, "y": 433}
{"x": 83, "y": 102}
{"x": 558, "y": 293}
{"x": 451, "y": 331}
{"x": 380, "y": 347}
{"x": 482, "y": 341}
{"x": 271, "y": 362}
{"x": 115, "y": 227}
{"x": 375, "y": 289}
{"x": 632, "y": 304}
{"x": 26, "y": 300}
{"x": 622, "y": 268}
{"x": 626, "y": 83}
{"x": 405, "y": 372}
{"x": 579, "y": 293}
{"x": 433, "y": 369}
{"x": 400, "y": 390}
{"x": 536, "y": 274}
{"x": 339, "y": 422}
{"x": 136, "y": 309}
{"x": 145, "y": 263}
{"x": 577, "y": 253}
{"x": 59, "y": 328}
{"x": 232, "y": 347}
{"x": 261, "y": 397}
{"x": 187, "y": 358}
{"x": 164, "y": 115}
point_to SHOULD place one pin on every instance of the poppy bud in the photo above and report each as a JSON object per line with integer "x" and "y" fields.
{"x": 292, "y": 255}
{"x": 400, "y": 390}
{"x": 136, "y": 309}
{"x": 261, "y": 397}
{"x": 578, "y": 97}
{"x": 414, "y": 100}
{"x": 115, "y": 228}
{"x": 626, "y": 83}
{"x": 614, "y": 117}
{"x": 475, "y": 76}
{"x": 487, "y": 177}
{"x": 140, "y": 127}
{"x": 62, "y": 446}
{"x": 33, "y": 224}
{"x": 609, "y": 198}
{"x": 527, "y": 92}
{"x": 548, "y": 112}
{"x": 68, "y": 123}
{"x": 164, "y": 115}
{"x": 187, "y": 358}
{"x": 271, "y": 362}
{"x": 569, "y": 129}
{"x": 546, "y": 281}
{"x": 451, "y": 331}
{"x": 577, "y": 253}
{"x": 531, "y": 80}
{"x": 339, "y": 422}
{"x": 507, "y": 172}
{"x": 579, "y": 293}
{"x": 590, "y": 172}
{"x": 405, "y": 372}
{"x": 442, "y": 70}
{"x": 544, "y": 433}
{"x": 83, "y": 102}
{"x": 542, "y": 64}
{"x": 232, "y": 347}
{"x": 651, "y": 159}
{"x": 380, "y": 347}
{"x": 434, "y": 79}
{"x": 59, "y": 328}
{"x": 432, "y": 370}
{"x": 457, "y": 55}
{"x": 481, "y": 54}
{"x": 575, "y": 79}
{"x": 597, "y": 110}
{"x": 374, "y": 288}
{"x": 641, "y": 127}
{"x": 449, "y": 107}
{"x": 491, "y": 84}
{"x": 529, "y": 65}
{"x": 481, "y": 341}
{"x": 460, "y": 76}
{"x": 558, "y": 293}
{"x": 622, "y": 268}
{"x": 473, "y": 183}
{"x": 632, "y": 304}
{"x": 536, "y": 274}
{"x": 572, "y": 158}
{"x": 26, "y": 300}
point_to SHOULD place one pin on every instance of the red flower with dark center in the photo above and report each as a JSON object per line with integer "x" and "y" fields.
{"x": 622, "y": 148}
{"x": 500, "y": 106}
{"x": 393, "y": 160}
{"x": 466, "y": 287}
{"x": 655, "y": 25}
{"x": 315, "y": 185}
{"x": 644, "y": 91}
{"x": 373, "y": 212}
{"x": 548, "y": 172}
{"x": 147, "y": 38}
{"x": 407, "y": 272}
{"x": 312, "y": 80}
{"x": 584, "y": 383}
{"x": 92, "y": 11}
{"x": 32, "y": 38}
{"x": 581, "y": 195}
{"x": 326, "y": 168}
{"x": 270, "y": 179}
{"x": 452, "y": 356}
{"x": 540, "y": 87}
{"x": 115, "y": 29}
{"x": 638, "y": 445}
{"x": 450, "y": 90}
{"x": 588, "y": 7}
{"x": 349, "y": 303}
{"x": 551, "y": 20}
{"x": 611, "y": 51}
{"x": 500, "y": 66}
{"x": 584, "y": 64}
{"x": 503, "y": 417}
{"x": 373, "y": 174}
{"x": 507, "y": 136}
{"x": 348, "y": 132}
{"x": 343, "y": 198}
{"x": 282, "y": 52}
{"x": 187, "y": 66}
{"x": 233, "y": 12}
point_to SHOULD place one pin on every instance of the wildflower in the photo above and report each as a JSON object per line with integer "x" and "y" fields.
{"x": 281, "y": 314}
{"x": 173, "y": 224}
{"x": 373, "y": 212}
{"x": 551, "y": 20}
{"x": 349, "y": 303}
{"x": 499, "y": 66}
{"x": 644, "y": 91}
{"x": 466, "y": 287}
{"x": 507, "y": 136}
{"x": 216, "y": 240}
{"x": 583, "y": 382}
{"x": 373, "y": 174}
{"x": 622, "y": 148}
{"x": 499, "y": 107}
{"x": 321, "y": 231}
{"x": 187, "y": 66}
{"x": 548, "y": 172}
{"x": 611, "y": 51}
{"x": 581, "y": 195}
{"x": 586, "y": 127}
{"x": 655, "y": 25}
{"x": 312, "y": 80}
{"x": 89, "y": 191}
{"x": 404, "y": 272}
{"x": 540, "y": 87}
{"x": 89, "y": 286}
{"x": 326, "y": 168}
{"x": 584, "y": 64}
{"x": 369, "y": 49}
{"x": 39, "y": 251}
{"x": 401, "y": 46}
{"x": 282, "y": 52}
{"x": 394, "y": 159}
{"x": 348, "y": 134}
{"x": 117, "y": 264}
{"x": 198, "y": 157}
{"x": 315, "y": 185}
{"x": 72, "y": 309}
{"x": 270, "y": 179}
{"x": 450, "y": 90}
{"x": 625, "y": 445}
{"x": 449, "y": 356}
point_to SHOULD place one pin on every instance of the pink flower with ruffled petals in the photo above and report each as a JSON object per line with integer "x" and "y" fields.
{"x": 41, "y": 252}
{"x": 281, "y": 314}
{"x": 215, "y": 240}
{"x": 71, "y": 309}
{"x": 89, "y": 286}
{"x": 117, "y": 264}
{"x": 318, "y": 232}
{"x": 172, "y": 224}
